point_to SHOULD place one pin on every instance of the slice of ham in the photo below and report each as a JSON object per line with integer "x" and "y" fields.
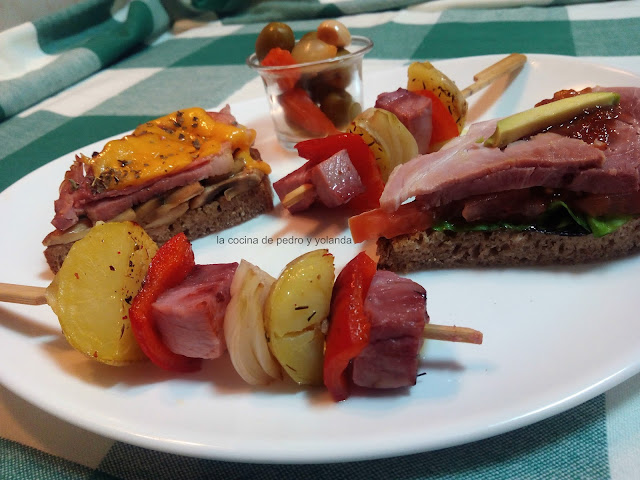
{"x": 335, "y": 181}
{"x": 465, "y": 167}
{"x": 512, "y": 204}
{"x": 469, "y": 168}
{"x": 396, "y": 307}
{"x": 108, "y": 207}
{"x": 413, "y": 111}
{"x": 190, "y": 316}
{"x": 620, "y": 172}
{"x": 77, "y": 197}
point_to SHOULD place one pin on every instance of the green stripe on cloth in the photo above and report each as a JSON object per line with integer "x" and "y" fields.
{"x": 68, "y": 137}
{"x": 568, "y": 446}
{"x": 91, "y": 25}
{"x": 166, "y": 53}
{"x": 22, "y": 92}
{"x": 461, "y": 33}
{"x": 18, "y": 132}
{"x": 231, "y": 50}
{"x": 24, "y": 463}
{"x": 451, "y": 40}
{"x": 69, "y": 27}
{"x": 121, "y": 39}
{"x": 199, "y": 85}
{"x": 86, "y": 40}
{"x": 619, "y": 37}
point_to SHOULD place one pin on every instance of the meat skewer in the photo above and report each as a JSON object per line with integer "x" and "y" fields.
{"x": 120, "y": 300}
{"x": 30, "y": 295}
{"x": 303, "y": 195}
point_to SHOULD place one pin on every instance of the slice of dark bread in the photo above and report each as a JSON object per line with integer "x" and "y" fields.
{"x": 210, "y": 218}
{"x": 433, "y": 250}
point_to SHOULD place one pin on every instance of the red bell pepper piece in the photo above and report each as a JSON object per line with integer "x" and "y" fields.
{"x": 318, "y": 149}
{"x": 279, "y": 57}
{"x": 301, "y": 112}
{"x": 170, "y": 266}
{"x": 349, "y": 326}
{"x": 443, "y": 124}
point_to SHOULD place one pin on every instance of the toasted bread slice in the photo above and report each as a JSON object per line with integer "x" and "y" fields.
{"x": 223, "y": 212}
{"x": 433, "y": 250}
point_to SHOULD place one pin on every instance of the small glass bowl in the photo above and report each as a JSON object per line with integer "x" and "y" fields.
{"x": 314, "y": 99}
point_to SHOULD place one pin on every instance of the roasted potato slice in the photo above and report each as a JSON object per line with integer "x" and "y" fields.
{"x": 92, "y": 292}
{"x": 424, "y": 76}
{"x": 295, "y": 315}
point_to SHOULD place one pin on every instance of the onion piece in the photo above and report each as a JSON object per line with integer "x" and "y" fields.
{"x": 389, "y": 140}
{"x": 244, "y": 326}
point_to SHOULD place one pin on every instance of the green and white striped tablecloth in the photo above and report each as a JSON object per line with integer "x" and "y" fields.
{"x": 102, "y": 67}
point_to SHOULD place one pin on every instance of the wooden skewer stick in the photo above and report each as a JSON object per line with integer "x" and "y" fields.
{"x": 22, "y": 294}
{"x": 297, "y": 194}
{"x": 452, "y": 334}
{"x": 491, "y": 73}
{"x": 27, "y": 295}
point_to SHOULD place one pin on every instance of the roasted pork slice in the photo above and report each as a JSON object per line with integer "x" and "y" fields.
{"x": 468, "y": 168}
{"x": 595, "y": 155}
{"x": 629, "y": 102}
{"x": 390, "y": 360}
{"x": 413, "y": 110}
{"x": 620, "y": 171}
{"x": 190, "y": 316}
{"x": 512, "y": 204}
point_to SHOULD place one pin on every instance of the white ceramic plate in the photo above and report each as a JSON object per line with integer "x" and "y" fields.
{"x": 554, "y": 337}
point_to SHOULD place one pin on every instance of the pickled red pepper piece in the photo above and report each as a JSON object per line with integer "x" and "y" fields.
{"x": 278, "y": 57}
{"x": 319, "y": 149}
{"x": 170, "y": 266}
{"x": 300, "y": 111}
{"x": 349, "y": 326}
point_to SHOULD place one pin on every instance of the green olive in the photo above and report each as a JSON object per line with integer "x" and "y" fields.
{"x": 337, "y": 105}
{"x": 315, "y": 86}
{"x": 275, "y": 34}
{"x": 337, "y": 77}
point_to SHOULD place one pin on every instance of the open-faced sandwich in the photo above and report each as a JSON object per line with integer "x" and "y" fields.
{"x": 557, "y": 184}
{"x": 191, "y": 171}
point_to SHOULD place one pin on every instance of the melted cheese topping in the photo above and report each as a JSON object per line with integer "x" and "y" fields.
{"x": 168, "y": 145}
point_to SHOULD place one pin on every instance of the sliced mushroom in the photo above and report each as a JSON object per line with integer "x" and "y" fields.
{"x": 76, "y": 232}
{"x": 146, "y": 211}
{"x": 167, "y": 216}
{"x": 184, "y": 194}
{"x": 244, "y": 180}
